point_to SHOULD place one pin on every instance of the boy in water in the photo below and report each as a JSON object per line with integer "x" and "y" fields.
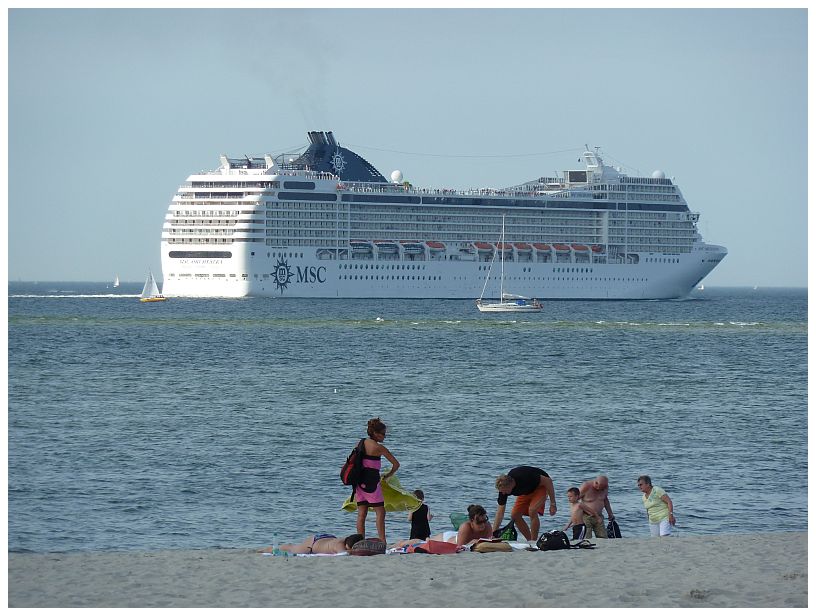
{"x": 577, "y": 512}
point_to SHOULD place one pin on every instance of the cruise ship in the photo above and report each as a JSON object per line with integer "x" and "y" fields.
{"x": 324, "y": 222}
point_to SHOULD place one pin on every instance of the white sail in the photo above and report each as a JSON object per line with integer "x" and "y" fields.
{"x": 151, "y": 289}
{"x": 116, "y": 282}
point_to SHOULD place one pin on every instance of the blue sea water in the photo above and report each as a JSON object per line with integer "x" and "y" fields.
{"x": 217, "y": 423}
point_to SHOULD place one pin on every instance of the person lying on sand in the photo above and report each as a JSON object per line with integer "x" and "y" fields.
{"x": 475, "y": 528}
{"x": 323, "y": 543}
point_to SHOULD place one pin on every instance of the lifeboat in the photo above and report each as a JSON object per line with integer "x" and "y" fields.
{"x": 523, "y": 246}
{"x": 412, "y": 247}
{"x": 483, "y": 246}
{"x": 561, "y": 247}
{"x": 360, "y": 246}
{"x": 580, "y": 248}
{"x": 541, "y": 247}
{"x": 596, "y": 248}
{"x": 388, "y": 246}
{"x": 504, "y": 246}
{"x": 435, "y": 245}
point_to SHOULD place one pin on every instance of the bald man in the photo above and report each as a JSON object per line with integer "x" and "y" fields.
{"x": 595, "y": 495}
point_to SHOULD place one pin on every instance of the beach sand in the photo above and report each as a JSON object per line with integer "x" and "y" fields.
{"x": 766, "y": 570}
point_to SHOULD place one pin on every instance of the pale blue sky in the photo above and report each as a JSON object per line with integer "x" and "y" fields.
{"x": 110, "y": 110}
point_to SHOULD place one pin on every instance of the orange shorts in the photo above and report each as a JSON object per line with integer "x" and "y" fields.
{"x": 523, "y": 502}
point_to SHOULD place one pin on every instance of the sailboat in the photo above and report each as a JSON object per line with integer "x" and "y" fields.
{"x": 116, "y": 281}
{"x": 508, "y": 302}
{"x": 150, "y": 293}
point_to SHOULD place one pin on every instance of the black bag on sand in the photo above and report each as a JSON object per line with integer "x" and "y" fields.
{"x": 507, "y": 533}
{"x": 553, "y": 540}
{"x": 613, "y": 530}
{"x": 558, "y": 540}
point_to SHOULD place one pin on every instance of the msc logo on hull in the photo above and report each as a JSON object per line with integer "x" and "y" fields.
{"x": 283, "y": 275}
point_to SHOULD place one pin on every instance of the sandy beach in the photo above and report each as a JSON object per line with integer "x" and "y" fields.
{"x": 767, "y": 570}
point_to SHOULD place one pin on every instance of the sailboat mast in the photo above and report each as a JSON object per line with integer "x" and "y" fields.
{"x": 487, "y": 278}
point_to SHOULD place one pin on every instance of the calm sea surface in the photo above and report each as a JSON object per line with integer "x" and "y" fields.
{"x": 214, "y": 423}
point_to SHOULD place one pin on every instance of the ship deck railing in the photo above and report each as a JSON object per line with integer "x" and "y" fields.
{"x": 549, "y": 192}
{"x": 546, "y": 189}
{"x": 444, "y": 192}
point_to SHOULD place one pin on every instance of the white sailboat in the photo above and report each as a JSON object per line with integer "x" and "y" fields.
{"x": 508, "y": 302}
{"x": 116, "y": 281}
{"x": 150, "y": 293}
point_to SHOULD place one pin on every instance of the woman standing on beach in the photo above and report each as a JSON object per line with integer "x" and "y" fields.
{"x": 369, "y": 492}
{"x": 659, "y": 507}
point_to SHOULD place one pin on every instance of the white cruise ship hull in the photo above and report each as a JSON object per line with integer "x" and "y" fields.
{"x": 274, "y": 273}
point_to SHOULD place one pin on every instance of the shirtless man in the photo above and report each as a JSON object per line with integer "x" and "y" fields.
{"x": 531, "y": 486}
{"x": 319, "y": 544}
{"x": 595, "y": 495}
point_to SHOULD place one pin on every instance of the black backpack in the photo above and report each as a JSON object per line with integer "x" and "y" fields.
{"x": 553, "y": 540}
{"x": 351, "y": 473}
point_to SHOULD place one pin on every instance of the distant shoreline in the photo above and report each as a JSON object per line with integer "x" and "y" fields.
{"x": 749, "y": 570}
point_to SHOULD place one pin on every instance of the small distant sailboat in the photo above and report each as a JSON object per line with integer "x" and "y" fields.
{"x": 507, "y": 302}
{"x": 150, "y": 293}
{"x": 116, "y": 281}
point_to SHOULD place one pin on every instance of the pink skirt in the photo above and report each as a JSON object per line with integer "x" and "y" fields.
{"x": 374, "y": 498}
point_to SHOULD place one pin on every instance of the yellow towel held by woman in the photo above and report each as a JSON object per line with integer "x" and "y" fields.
{"x": 395, "y": 497}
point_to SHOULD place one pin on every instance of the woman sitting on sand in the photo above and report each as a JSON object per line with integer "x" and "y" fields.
{"x": 319, "y": 544}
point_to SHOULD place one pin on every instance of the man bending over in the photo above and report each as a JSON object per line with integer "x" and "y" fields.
{"x": 531, "y": 486}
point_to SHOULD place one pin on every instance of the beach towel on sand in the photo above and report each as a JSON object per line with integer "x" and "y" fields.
{"x": 395, "y": 497}
{"x": 436, "y": 547}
